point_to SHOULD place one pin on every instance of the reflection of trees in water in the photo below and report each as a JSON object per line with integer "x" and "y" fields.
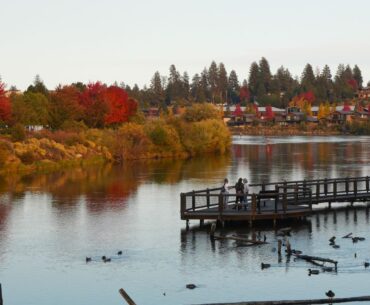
{"x": 108, "y": 186}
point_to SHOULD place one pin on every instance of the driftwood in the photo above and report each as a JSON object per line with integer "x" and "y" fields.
{"x": 349, "y": 235}
{"x": 241, "y": 239}
{"x": 313, "y": 259}
{"x": 126, "y": 297}
{"x": 299, "y": 302}
{"x": 249, "y": 242}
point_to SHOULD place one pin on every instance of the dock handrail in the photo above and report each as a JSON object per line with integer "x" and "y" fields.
{"x": 303, "y": 193}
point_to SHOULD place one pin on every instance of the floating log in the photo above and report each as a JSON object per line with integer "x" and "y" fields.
{"x": 126, "y": 297}
{"x": 312, "y": 259}
{"x": 299, "y": 302}
{"x": 241, "y": 239}
{"x": 349, "y": 235}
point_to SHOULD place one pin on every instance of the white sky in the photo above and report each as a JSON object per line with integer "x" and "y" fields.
{"x": 119, "y": 40}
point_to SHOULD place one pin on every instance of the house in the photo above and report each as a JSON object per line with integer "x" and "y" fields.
{"x": 342, "y": 116}
{"x": 294, "y": 115}
{"x": 151, "y": 112}
{"x": 364, "y": 93}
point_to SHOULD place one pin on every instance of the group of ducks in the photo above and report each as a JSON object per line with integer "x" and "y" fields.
{"x": 103, "y": 258}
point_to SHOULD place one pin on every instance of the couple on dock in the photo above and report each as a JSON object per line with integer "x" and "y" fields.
{"x": 241, "y": 197}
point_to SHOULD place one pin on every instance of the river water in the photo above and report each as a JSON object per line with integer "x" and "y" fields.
{"x": 50, "y": 223}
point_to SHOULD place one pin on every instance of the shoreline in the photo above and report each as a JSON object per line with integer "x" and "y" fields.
{"x": 282, "y": 131}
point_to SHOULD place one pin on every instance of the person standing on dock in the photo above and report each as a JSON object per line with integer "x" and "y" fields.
{"x": 239, "y": 188}
{"x": 225, "y": 192}
{"x": 246, "y": 191}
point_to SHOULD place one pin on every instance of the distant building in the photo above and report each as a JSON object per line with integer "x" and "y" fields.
{"x": 294, "y": 115}
{"x": 364, "y": 93}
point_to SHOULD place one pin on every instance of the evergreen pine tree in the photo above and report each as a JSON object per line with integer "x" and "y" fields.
{"x": 213, "y": 80}
{"x": 357, "y": 75}
{"x": 222, "y": 83}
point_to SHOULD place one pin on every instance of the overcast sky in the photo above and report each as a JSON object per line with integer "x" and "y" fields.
{"x": 119, "y": 40}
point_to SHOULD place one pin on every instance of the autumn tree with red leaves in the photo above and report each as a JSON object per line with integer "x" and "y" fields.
{"x": 346, "y": 107}
{"x": 106, "y": 106}
{"x": 5, "y": 106}
{"x": 244, "y": 94}
{"x": 238, "y": 111}
{"x": 121, "y": 107}
{"x": 65, "y": 105}
{"x": 95, "y": 105}
{"x": 269, "y": 113}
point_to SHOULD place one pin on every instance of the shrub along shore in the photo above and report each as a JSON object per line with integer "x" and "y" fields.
{"x": 198, "y": 131}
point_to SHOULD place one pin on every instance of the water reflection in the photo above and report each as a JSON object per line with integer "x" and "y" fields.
{"x": 49, "y": 223}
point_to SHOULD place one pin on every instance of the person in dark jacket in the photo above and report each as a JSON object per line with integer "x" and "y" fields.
{"x": 239, "y": 188}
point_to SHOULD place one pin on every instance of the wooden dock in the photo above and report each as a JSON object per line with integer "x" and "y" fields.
{"x": 274, "y": 201}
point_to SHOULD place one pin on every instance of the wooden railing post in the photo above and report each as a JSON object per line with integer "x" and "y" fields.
{"x": 276, "y": 198}
{"x": 317, "y": 191}
{"x": 347, "y": 185}
{"x": 254, "y": 203}
{"x": 310, "y": 193}
{"x": 296, "y": 194}
{"x": 285, "y": 197}
{"x": 182, "y": 205}
{"x": 355, "y": 187}
{"x": 304, "y": 188}
{"x": 208, "y": 199}
{"x": 263, "y": 186}
{"x": 326, "y": 186}
{"x": 367, "y": 184}
{"x": 335, "y": 188}
{"x": 193, "y": 201}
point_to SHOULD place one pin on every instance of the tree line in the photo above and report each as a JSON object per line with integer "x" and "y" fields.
{"x": 215, "y": 85}
{"x": 94, "y": 105}
{"x": 98, "y": 105}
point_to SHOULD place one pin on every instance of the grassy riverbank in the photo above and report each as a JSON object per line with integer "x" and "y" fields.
{"x": 198, "y": 131}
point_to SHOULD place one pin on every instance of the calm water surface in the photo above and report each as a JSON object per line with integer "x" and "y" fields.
{"x": 50, "y": 223}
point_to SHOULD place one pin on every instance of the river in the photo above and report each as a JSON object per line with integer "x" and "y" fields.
{"x": 49, "y": 223}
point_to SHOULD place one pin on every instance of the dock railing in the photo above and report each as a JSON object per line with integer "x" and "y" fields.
{"x": 284, "y": 194}
{"x": 212, "y": 199}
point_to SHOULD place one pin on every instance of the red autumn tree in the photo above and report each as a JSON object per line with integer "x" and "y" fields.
{"x": 121, "y": 107}
{"x": 65, "y": 105}
{"x": 309, "y": 96}
{"x": 346, "y": 107}
{"x": 238, "y": 111}
{"x": 244, "y": 94}
{"x": 353, "y": 84}
{"x": 5, "y": 106}
{"x": 269, "y": 113}
{"x": 256, "y": 109}
{"x": 95, "y": 105}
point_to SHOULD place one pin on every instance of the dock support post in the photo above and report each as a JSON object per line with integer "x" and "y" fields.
{"x": 201, "y": 222}
{"x": 279, "y": 246}
{"x": 288, "y": 248}
{"x": 1, "y": 296}
{"x": 329, "y": 206}
{"x": 212, "y": 232}
{"x": 187, "y": 224}
{"x": 274, "y": 222}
